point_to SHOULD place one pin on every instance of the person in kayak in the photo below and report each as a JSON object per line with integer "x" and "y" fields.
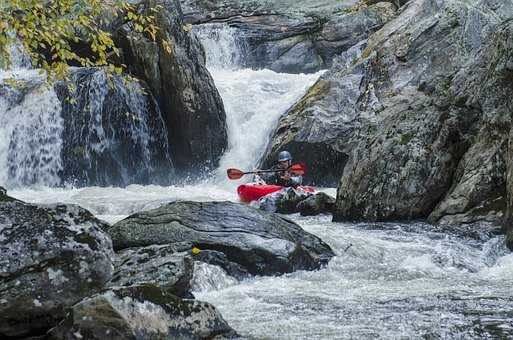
{"x": 285, "y": 177}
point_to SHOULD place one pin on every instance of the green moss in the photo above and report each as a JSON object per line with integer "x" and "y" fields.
{"x": 405, "y": 138}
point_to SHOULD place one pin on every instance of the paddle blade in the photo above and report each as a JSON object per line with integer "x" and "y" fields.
{"x": 298, "y": 169}
{"x": 234, "y": 173}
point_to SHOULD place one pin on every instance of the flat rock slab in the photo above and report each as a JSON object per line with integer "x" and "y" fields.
{"x": 262, "y": 243}
{"x": 141, "y": 312}
{"x": 50, "y": 258}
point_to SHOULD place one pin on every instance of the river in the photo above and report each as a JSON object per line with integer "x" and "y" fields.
{"x": 388, "y": 280}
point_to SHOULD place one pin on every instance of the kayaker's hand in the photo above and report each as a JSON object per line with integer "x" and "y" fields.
{"x": 286, "y": 176}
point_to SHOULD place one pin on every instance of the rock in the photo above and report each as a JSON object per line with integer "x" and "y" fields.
{"x": 4, "y": 197}
{"x": 50, "y": 258}
{"x": 129, "y": 144}
{"x": 296, "y": 37}
{"x": 423, "y": 115}
{"x": 141, "y": 312}
{"x": 217, "y": 258}
{"x": 284, "y": 201}
{"x": 163, "y": 266}
{"x": 399, "y": 120}
{"x": 509, "y": 238}
{"x": 174, "y": 69}
{"x": 262, "y": 243}
{"x": 316, "y": 204}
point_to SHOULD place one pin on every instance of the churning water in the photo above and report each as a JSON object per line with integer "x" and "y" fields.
{"x": 393, "y": 281}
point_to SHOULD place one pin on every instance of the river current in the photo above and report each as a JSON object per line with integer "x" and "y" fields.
{"x": 393, "y": 281}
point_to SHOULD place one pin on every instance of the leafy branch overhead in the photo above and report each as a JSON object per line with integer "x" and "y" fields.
{"x": 61, "y": 33}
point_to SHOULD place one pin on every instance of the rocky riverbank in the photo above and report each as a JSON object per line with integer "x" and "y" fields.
{"x": 64, "y": 272}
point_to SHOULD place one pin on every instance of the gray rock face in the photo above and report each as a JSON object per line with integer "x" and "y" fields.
{"x": 292, "y": 37}
{"x": 262, "y": 243}
{"x": 433, "y": 128}
{"x": 50, "y": 258}
{"x": 163, "y": 266}
{"x": 141, "y": 312}
{"x": 409, "y": 122}
{"x": 174, "y": 68}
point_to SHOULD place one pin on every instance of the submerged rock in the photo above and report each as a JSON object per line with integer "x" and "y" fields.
{"x": 141, "y": 312}
{"x": 164, "y": 266}
{"x": 174, "y": 69}
{"x": 260, "y": 242}
{"x": 50, "y": 258}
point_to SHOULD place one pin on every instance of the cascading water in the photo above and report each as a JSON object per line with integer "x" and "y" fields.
{"x": 254, "y": 99}
{"x": 387, "y": 280}
{"x": 31, "y": 129}
{"x": 90, "y": 130}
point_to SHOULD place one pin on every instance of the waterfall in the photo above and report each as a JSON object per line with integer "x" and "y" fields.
{"x": 254, "y": 100}
{"x": 114, "y": 132}
{"x": 91, "y": 130}
{"x": 30, "y": 133}
{"x": 224, "y": 45}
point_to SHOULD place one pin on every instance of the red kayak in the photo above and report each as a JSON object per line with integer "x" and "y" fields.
{"x": 253, "y": 192}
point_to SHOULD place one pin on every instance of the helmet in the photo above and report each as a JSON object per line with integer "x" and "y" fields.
{"x": 284, "y": 156}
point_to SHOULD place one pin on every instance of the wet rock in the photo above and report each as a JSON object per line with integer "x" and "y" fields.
{"x": 141, "y": 312}
{"x": 284, "y": 201}
{"x": 128, "y": 145}
{"x": 4, "y": 197}
{"x": 174, "y": 69}
{"x": 319, "y": 203}
{"x": 50, "y": 258}
{"x": 296, "y": 37}
{"x": 260, "y": 242}
{"x": 217, "y": 258}
{"x": 164, "y": 266}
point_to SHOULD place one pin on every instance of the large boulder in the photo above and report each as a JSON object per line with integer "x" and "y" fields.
{"x": 261, "y": 242}
{"x": 50, "y": 258}
{"x": 433, "y": 124}
{"x": 141, "y": 312}
{"x": 295, "y": 36}
{"x": 173, "y": 66}
{"x": 166, "y": 266}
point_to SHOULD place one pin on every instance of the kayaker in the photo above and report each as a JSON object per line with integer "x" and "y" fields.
{"x": 284, "y": 178}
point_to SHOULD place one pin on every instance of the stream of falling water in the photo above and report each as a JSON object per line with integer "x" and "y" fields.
{"x": 396, "y": 281}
